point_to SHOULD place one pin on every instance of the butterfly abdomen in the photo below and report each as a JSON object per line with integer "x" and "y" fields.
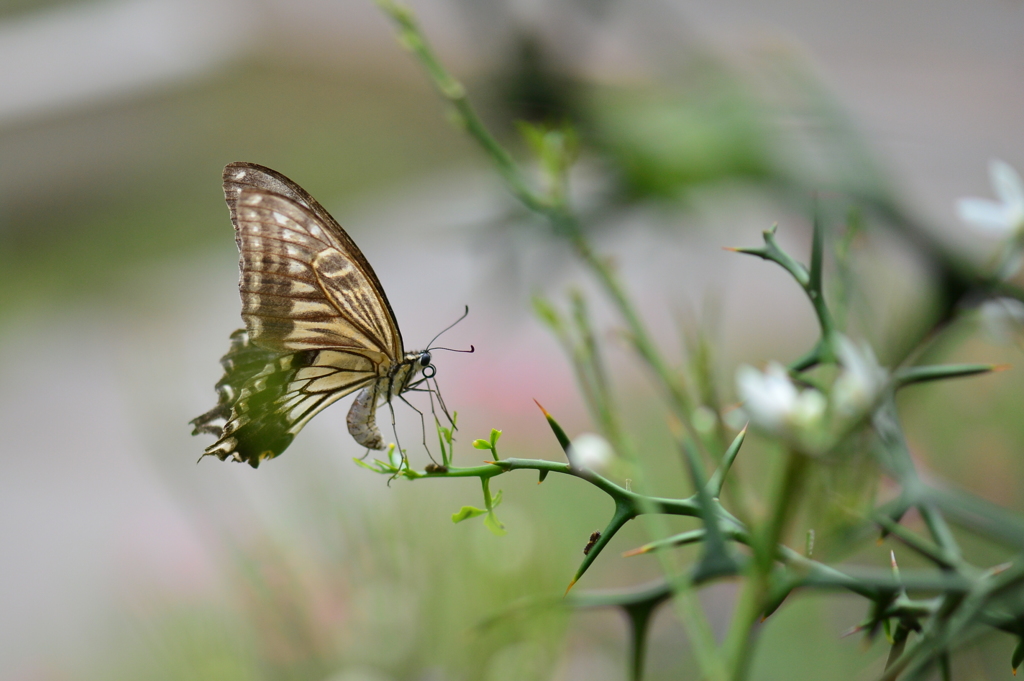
{"x": 362, "y": 415}
{"x": 362, "y": 419}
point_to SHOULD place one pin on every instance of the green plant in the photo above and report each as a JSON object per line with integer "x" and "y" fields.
{"x": 830, "y": 405}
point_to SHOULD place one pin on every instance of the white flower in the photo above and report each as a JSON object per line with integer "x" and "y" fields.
{"x": 774, "y": 403}
{"x": 861, "y": 378}
{"x": 590, "y": 451}
{"x": 1002, "y": 319}
{"x": 1002, "y": 218}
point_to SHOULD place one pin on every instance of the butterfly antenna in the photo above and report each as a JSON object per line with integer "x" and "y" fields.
{"x": 471, "y": 350}
{"x": 464, "y": 315}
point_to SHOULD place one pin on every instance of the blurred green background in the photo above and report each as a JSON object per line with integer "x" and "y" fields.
{"x": 701, "y": 124}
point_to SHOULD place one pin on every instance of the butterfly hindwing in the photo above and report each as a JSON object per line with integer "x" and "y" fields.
{"x": 242, "y": 361}
{"x": 265, "y": 398}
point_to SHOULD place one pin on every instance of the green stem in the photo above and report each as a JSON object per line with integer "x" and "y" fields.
{"x": 754, "y": 596}
{"x": 410, "y": 36}
{"x": 639, "y": 337}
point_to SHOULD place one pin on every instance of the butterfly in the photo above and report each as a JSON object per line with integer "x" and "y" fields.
{"x": 318, "y": 325}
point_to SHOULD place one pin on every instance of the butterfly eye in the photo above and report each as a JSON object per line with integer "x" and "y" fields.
{"x": 424, "y": 359}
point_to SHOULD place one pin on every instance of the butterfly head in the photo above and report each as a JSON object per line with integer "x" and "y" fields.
{"x": 425, "y": 365}
{"x": 419, "y": 360}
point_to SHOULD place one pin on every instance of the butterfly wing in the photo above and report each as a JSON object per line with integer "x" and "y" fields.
{"x": 304, "y": 283}
{"x": 266, "y": 397}
{"x": 318, "y": 325}
{"x": 301, "y": 290}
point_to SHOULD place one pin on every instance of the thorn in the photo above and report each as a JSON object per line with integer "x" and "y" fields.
{"x": 571, "y": 585}
{"x": 637, "y": 552}
{"x": 1002, "y": 367}
{"x": 851, "y": 631}
{"x": 732, "y": 407}
{"x": 892, "y": 559}
{"x": 546, "y": 414}
{"x": 731, "y": 249}
{"x": 996, "y": 569}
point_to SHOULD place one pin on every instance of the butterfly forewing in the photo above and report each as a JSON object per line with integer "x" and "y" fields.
{"x": 240, "y": 176}
{"x": 299, "y": 289}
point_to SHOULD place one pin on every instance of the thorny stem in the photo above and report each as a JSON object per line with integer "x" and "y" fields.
{"x": 966, "y": 594}
{"x": 565, "y": 223}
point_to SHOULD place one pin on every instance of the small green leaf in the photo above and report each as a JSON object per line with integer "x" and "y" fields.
{"x": 492, "y": 523}
{"x": 360, "y": 462}
{"x": 533, "y": 134}
{"x": 467, "y": 512}
{"x": 495, "y": 436}
{"x": 396, "y": 457}
{"x": 496, "y": 500}
{"x": 445, "y": 455}
{"x": 481, "y": 444}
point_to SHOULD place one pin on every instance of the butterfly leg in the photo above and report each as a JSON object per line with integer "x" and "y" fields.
{"x": 423, "y": 423}
{"x": 436, "y": 390}
{"x": 433, "y": 407}
{"x": 394, "y": 430}
{"x": 444, "y": 407}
